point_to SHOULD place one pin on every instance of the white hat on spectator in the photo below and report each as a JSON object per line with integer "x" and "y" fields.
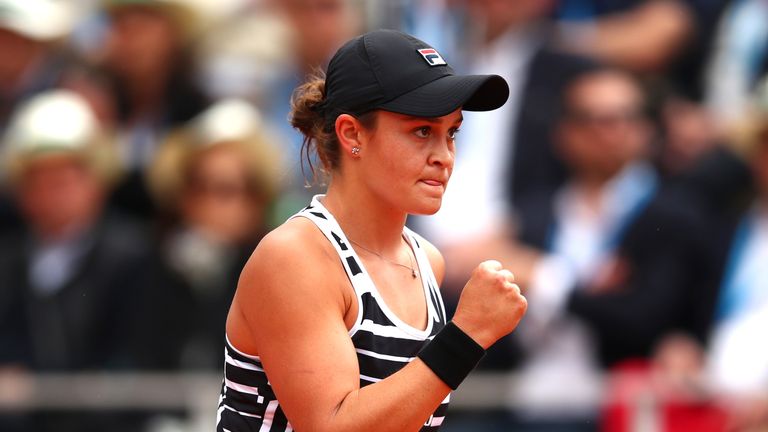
{"x": 42, "y": 20}
{"x": 58, "y": 122}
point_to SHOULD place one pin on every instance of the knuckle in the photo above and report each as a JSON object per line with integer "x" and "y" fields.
{"x": 499, "y": 278}
{"x": 508, "y": 275}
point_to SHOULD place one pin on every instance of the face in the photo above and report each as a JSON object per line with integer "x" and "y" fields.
{"x": 604, "y": 128}
{"x": 407, "y": 161}
{"x": 141, "y": 43}
{"x": 58, "y": 194}
{"x": 218, "y": 200}
{"x": 322, "y": 26}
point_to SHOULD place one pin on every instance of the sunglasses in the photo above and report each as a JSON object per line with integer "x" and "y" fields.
{"x": 601, "y": 119}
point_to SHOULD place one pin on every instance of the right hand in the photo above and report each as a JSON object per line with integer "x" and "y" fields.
{"x": 490, "y": 305}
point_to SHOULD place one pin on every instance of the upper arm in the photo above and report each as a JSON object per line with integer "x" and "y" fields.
{"x": 292, "y": 307}
{"x": 436, "y": 260}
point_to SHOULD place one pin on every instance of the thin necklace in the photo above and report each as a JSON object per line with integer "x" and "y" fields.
{"x": 414, "y": 274}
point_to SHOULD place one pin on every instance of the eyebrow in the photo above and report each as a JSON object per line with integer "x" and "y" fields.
{"x": 433, "y": 120}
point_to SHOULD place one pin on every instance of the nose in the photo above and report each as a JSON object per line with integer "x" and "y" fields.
{"x": 443, "y": 154}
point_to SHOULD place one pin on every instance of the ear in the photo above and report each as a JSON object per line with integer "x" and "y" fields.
{"x": 349, "y": 131}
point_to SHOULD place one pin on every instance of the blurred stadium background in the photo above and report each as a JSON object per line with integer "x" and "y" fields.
{"x": 145, "y": 150}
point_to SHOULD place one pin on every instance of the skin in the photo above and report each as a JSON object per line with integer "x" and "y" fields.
{"x": 59, "y": 195}
{"x": 402, "y": 167}
{"x": 644, "y": 38}
{"x": 220, "y": 203}
{"x": 321, "y": 27}
{"x": 607, "y": 131}
{"x": 496, "y": 17}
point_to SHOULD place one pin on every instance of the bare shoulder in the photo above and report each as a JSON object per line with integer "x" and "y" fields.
{"x": 294, "y": 251}
{"x": 436, "y": 259}
{"x": 294, "y": 271}
{"x": 284, "y": 241}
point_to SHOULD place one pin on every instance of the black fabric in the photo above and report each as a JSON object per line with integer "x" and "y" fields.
{"x": 115, "y": 313}
{"x": 353, "y": 266}
{"x": 384, "y": 69}
{"x": 452, "y": 355}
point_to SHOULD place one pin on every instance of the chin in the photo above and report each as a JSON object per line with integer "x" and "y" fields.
{"x": 427, "y": 207}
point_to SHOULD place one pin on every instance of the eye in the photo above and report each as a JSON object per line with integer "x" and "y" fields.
{"x": 453, "y": 132}
{"x": 423, "y": 132}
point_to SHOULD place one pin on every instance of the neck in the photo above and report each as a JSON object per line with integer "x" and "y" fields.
{"x": 365, "y": 218}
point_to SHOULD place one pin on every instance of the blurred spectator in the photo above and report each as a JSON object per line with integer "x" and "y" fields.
{"x": 147, "y": 53}
{"x": 78, "y": 285}
{"x": 217, "y": 179}
{"x": 30, "y": 33}
{"x": 738, "y": 362}
{"x": 667, "y": 44}
{"x": 263, "y": 53}
{"x": 321, "y": 26}
{"x": 721, "y": 384}
{"x": 32, "y": 60}
{"x": 620, "y": 265}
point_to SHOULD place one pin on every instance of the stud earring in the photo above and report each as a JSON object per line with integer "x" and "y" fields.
{"x": 355, "y": 150}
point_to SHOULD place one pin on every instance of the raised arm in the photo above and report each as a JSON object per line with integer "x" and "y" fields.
{"x": 292, "y": 302}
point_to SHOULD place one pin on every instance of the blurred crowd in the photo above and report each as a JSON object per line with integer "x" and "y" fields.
{"x": 145, "y": 149}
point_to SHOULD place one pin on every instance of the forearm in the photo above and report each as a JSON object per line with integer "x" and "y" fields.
{"x": 642, "y": 39}
{"x": 401, "y": 402}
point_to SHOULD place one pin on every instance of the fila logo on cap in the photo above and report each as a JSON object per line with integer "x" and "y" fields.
{"x": 431, "y": 56}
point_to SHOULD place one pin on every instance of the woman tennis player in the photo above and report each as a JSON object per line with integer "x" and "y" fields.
{"x": 338, "y": 324}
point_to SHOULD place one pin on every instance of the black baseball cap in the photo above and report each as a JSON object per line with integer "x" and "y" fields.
{"x": 393, "y": 71}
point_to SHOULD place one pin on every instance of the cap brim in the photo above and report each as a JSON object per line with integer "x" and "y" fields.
{"x": 445, "y": 95}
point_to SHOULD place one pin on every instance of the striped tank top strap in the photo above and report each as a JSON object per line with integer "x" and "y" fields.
{"x": 326, "y": 223}
{"x": 417, "y": 243}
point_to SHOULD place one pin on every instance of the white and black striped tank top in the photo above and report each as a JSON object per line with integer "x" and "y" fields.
{"x": 383, "y": 342}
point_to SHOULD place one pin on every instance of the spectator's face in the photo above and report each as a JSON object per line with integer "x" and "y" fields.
{"x": 218, "y": 199}
{"x": 322, "y": 26}
{"x": 142, "y": 42}
{"x": 59, "y": 194}
{"x": 604, "y": 128}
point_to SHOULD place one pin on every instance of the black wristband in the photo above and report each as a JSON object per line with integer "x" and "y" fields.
{"x": 451, "y": 355}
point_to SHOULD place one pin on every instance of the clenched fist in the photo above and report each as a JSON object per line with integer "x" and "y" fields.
{"x": 490, "y": 305}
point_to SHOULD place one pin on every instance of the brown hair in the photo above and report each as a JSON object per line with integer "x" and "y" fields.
{"x": 313, "y": 120}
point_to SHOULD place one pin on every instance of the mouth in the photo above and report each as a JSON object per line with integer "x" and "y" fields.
{"x": 433, "y": 182}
